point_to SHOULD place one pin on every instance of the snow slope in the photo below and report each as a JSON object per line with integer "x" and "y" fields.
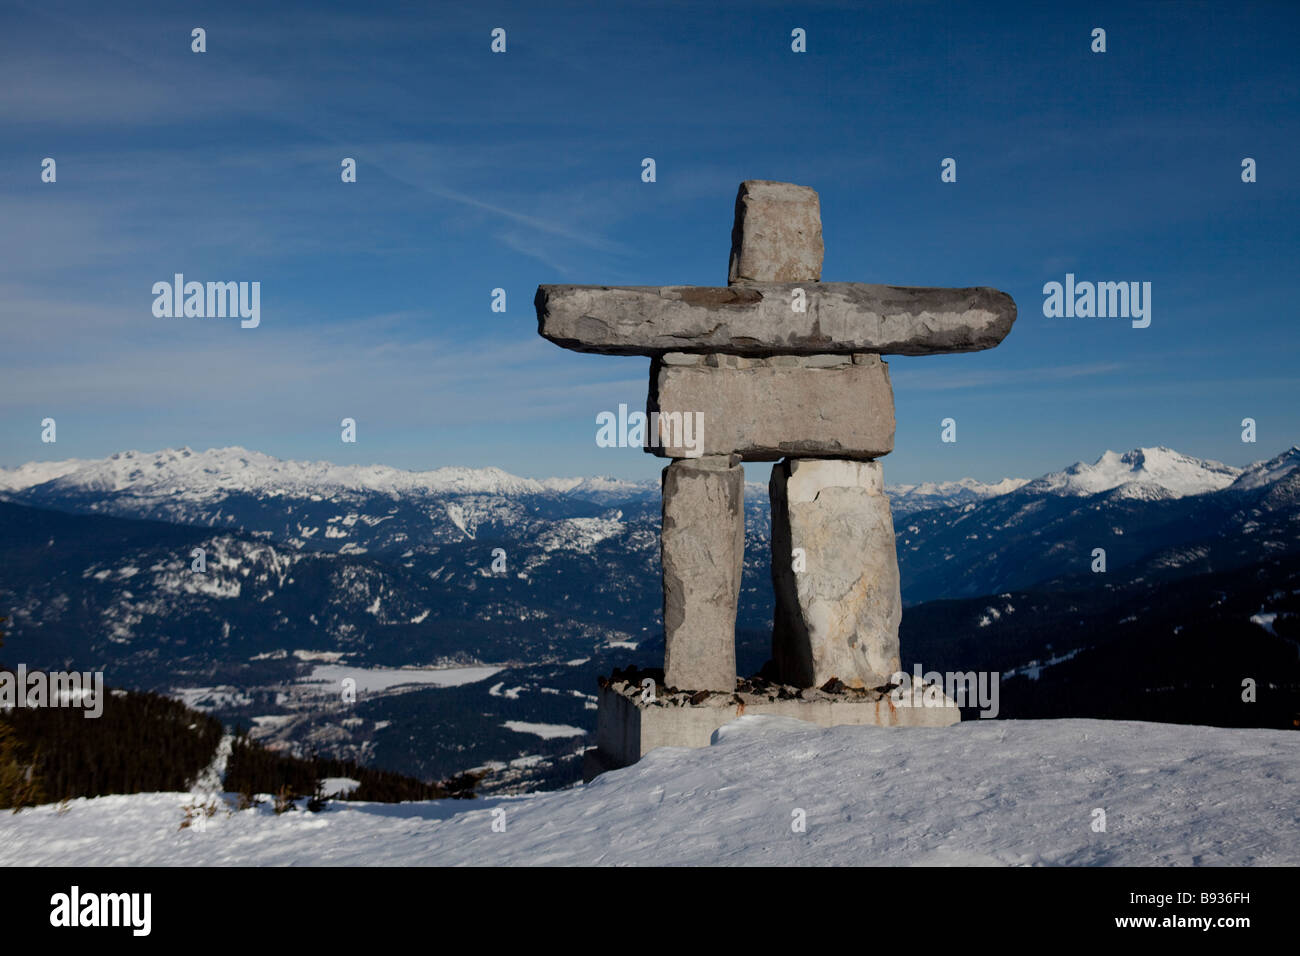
{"x": 38, "y": 472}
{"x": 983, "y": 792}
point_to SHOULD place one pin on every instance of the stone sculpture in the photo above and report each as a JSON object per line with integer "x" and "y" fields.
{"x": 782, "y": 367}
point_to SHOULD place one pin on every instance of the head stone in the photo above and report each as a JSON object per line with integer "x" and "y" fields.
{"x": 777, "y": 235}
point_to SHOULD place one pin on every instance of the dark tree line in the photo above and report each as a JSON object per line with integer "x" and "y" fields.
{"x": 146, "y": 743}
{"x": 19, "y": 784}
{"x": 253, "y": 769}
{"x": 140, "y": 743}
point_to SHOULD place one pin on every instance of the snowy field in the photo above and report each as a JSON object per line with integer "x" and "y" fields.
{"x": 545, "y": 731}
{"x": 370, "y": 680}
{"x": 980, "y": 793}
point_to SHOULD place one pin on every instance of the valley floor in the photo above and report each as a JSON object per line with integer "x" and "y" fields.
{"x": 980, "y": 793}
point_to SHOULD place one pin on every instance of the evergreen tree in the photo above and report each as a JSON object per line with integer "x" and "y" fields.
{"x": 19, "y": 785}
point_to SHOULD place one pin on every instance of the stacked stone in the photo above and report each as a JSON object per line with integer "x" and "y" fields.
{"x": 778, "y": 367}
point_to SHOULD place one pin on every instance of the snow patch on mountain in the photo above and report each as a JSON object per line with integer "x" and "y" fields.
{"x": 458, "y": 517}
{"x": 38, "y": 472}
{"x": 209, "y": 780}
{"x": 1265, "y": 620}
{"x": 580, "y": 534}
{"x": 545, "y": 731}
{"x": 328, "y": 678}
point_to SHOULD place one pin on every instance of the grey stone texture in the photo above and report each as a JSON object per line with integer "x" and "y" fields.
{"x": 702, "y": 547}
{"x": 765, "y": 409}
{"x": 776, "y": 365}
{"x": 837, "y": 617}
{"x": 759, "y": 319}
{"x": 776, "y": 235}
{"x": 628, "y": 727}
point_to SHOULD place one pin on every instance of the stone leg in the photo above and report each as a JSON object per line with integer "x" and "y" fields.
{"x": 703, "y": 547}
{"x": 837, "y": 600}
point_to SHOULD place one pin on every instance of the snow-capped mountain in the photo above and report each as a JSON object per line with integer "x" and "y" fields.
{"x": 350, "y": 509}
{"x": 1143, "y": 472}
{"x": 196, "y": 476}
{"x": 38, "y": 472}
{"x": 219, "y": 471}
{"x": 931, "y": 494}
{"x": 955, "y": 538}
{"x": 1137, "y": 507}
{"x": 603, "y": 489}
{"x": 1269, "y": 472}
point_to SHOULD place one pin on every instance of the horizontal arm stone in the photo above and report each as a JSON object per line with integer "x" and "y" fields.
{"x": 758, "y": 319}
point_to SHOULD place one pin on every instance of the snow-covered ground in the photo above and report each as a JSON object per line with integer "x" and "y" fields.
{"x": 983, "y": 792}
{"x": 371, "y": 680}
{"x": 545, "y": 731}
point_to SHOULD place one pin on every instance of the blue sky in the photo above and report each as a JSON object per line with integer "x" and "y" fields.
{"x": 479, "y": 170}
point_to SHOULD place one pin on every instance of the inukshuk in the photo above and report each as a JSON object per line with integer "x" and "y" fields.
{"x": 785, "y": 368}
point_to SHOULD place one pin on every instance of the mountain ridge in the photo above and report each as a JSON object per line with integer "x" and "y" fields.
{"x": 1142, "y": 472}
{"x": 381, "y": 578}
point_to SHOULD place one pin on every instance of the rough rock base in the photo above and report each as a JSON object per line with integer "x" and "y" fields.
{"x": 627, "y": 728}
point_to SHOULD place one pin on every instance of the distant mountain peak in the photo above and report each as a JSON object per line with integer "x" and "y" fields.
{"x": 37, "y": 473}
{"x": 1267, "y": 472}
{"x": 1151, "y": 472}
{"x": 937, "y": 494}
{"x": 236, "y": 469}
{"x": 1142, "y": 472}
